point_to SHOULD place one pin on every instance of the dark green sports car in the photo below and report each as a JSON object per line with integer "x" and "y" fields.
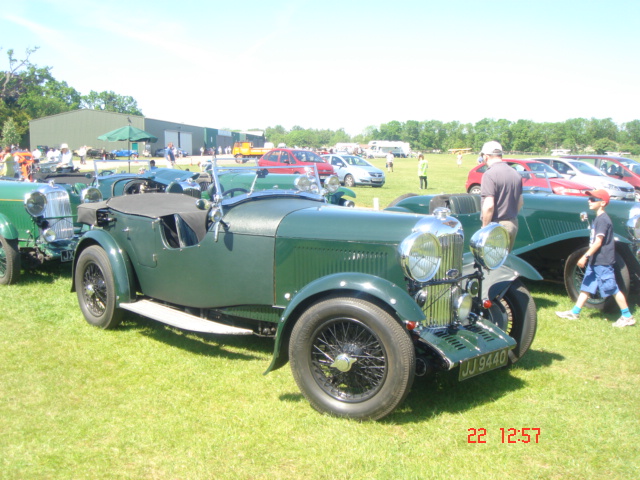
{"x": 358, "y": 301}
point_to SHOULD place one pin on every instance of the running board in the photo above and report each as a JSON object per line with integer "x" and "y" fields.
{"x": 182, "y": 320}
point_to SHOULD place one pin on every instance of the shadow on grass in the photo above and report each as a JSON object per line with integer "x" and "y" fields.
{"x": 443, "y": 393}
{"x": 210, "y": 345}
{"x": 46, "y": 273}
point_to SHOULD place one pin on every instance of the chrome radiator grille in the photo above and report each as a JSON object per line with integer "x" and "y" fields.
{"x": 58, "y": 205}
{"x": 438, "y": 309}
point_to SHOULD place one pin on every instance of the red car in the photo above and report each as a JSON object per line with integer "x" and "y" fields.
{"x": 297, "y": 159}
{"x": 535, "y": 176}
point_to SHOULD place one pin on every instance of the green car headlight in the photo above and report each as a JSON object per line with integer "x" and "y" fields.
{"x": 490, "y": 246}
{"x": 91, "y": 195}
{"x": 332, "y": 183}
{"x": 35, "y": 203}
{"x": 302, "y": 183}
{"x": 49, "y": 235}
{"x": 420, "y": 255}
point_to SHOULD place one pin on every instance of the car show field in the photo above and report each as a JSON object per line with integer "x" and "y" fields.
{"x": 126, "y": 402}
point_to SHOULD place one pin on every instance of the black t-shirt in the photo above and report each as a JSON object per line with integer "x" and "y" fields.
{"x": 606, "y": 254}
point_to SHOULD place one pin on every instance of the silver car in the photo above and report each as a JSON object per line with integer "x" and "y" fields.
{"x": 587, "y": 174}
{"x": 353, "y": 170}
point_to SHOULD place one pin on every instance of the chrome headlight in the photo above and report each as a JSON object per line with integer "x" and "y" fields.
{"x": 49, "y": 235}
{"x": 420, "y": 256}
{"x": 91, "y": 195}
{"x": 332, "y": 183}
{"x": 302, "y": 183}
{"x": 490, "y": 246}
{"x": 462, "y": 308}
{"x": 633, "y": 225}
{"x": 35, "y": 203}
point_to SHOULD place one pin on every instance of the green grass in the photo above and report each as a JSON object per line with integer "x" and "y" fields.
{"x": 147, "y": 401}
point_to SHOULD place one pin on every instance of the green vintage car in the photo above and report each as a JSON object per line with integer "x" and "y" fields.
{"x": 359, "y": 301}
{"x": 552, "y": 235}
{"x": 36, "y": 225}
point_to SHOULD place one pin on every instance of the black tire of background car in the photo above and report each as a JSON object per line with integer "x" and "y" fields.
{"x": 239, "y": 159}
{"x": 348, "y": 322}
{"x": 573, "y": 279}
{"x": 95, "y": 288}
{"x": 516, "y": 314}
{"x": 349, "y": 181}
{"x": 400, "y": 198}
{"x": 10, "y": 268}
{"x": 474, "y": 189}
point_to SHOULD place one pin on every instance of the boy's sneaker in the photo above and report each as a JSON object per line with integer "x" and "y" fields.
{"x": 624, "y": 322}
{"x": 569, "y": 315}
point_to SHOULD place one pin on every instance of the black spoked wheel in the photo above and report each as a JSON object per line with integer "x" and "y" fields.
{"x": 573, "y": 276}
{"x": 95, "y": 288}
{"x": 9, "y": 261}
{"x": 516, "y": 314}
{"x": 351, "y": 359}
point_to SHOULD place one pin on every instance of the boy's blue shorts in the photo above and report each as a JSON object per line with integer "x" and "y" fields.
{"x": 601, "y": 278}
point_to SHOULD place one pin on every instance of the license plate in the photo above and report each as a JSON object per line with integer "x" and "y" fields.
{"x": 483, "y": 363}
{"x": 66, "y": 255}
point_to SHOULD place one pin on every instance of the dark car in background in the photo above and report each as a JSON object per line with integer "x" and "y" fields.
{"x": 536, "y": 176}
{"x": 552, "y": 235}
{"x": 621, "y": 168}
{"x": 37, "y": 225}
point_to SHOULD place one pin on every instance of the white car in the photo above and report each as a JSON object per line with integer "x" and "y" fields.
{"x": 353, "y": 170}
{"x": 587, "y": 174}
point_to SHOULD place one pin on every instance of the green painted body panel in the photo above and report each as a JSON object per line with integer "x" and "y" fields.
{"x": 120, "y": 263}
{"x": 544, "y": 219}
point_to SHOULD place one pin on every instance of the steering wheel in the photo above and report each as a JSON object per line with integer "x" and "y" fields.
{"x": 233, "y": 191}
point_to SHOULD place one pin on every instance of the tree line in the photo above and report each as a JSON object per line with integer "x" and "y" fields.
{"x": 525, "y": 136}
{"x": 29, "y": 92}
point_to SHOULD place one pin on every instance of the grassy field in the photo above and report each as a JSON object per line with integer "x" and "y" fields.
{"x": 146, "y": 401}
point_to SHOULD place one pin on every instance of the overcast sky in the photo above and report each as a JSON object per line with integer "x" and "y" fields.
{"x": 341, "y": 63}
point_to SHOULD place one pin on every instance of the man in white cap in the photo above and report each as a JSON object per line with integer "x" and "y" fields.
{"x": 66, "y": 157}
{"x": 501, "y": 191}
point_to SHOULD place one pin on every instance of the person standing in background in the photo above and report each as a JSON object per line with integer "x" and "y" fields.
{"x": 422, "y": 171}
{"x": 390, "y": 158}
{"x": 501, "y": 191}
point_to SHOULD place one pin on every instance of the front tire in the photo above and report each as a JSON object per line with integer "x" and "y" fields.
{"x": 9, "y": 261}
{"x": 96, "y": 289}
{"x": 474, "y": 189}
{"x": 516, "y": 314}
{"x": 573, "y": 276}
{"x": 350, "y": 358}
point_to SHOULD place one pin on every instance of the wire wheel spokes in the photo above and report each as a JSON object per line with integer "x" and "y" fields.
{"x": 94, "y": 290}
{"x": 348, "y": 359}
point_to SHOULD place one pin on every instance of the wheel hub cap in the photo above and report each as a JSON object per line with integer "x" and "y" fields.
{"x": 343, "y": 362}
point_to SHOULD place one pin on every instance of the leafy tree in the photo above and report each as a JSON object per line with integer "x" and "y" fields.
{"x": 604, "y": 145}
{"x": 10, "y": 135}
{"x": 110, "y": 101}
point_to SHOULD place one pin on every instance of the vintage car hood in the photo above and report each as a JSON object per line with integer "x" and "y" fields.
{"x": 328, "y": 222}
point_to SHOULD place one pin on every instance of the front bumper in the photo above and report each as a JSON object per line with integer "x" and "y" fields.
{"x": 459, "y": 345}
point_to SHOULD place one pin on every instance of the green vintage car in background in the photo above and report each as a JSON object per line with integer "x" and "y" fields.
{"x": 552, "y": 236}
{"x": 358, "y": 301}
{"x": 36, "y": 225}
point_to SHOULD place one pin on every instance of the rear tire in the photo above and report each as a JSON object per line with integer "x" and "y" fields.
{"x": 9, "y": 261}
{"x": 474, "y": 189}
{"x": 349, "y": 181}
